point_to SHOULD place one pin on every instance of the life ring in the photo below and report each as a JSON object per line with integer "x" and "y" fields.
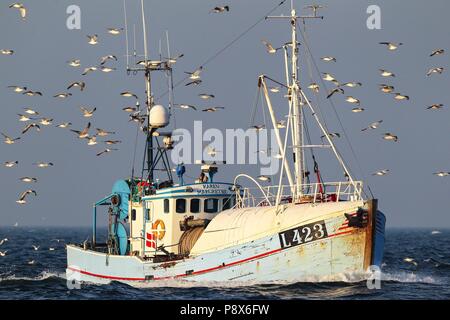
{"x": 159, "y": 229}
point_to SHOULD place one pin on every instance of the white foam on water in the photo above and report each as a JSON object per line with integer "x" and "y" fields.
{"x": 40, "y": 277}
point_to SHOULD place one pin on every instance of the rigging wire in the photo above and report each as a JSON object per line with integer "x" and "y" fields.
{"x": 335, "y": 110}
{"x": 218, "y": 53}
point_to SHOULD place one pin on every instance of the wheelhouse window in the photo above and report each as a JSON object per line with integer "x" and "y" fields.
{"x": 180, "y": 206}
{"x": 227, "y": 203}
{"x": 211, "y": 205}
{"x": 166, "y": 206}
{"x": 195, "y": 205}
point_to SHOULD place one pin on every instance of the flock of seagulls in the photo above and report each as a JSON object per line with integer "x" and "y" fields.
{"x": 4, "y": 253}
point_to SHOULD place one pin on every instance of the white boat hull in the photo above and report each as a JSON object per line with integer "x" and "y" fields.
{"x": 341, "y": 251}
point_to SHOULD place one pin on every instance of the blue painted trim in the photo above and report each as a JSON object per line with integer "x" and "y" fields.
{"x": 378, "y": 239}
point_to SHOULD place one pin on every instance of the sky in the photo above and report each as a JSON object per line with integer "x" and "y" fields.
{"x": 410, "y": 195}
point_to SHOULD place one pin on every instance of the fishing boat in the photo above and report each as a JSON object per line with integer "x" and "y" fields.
{"x": 241, "y": 230}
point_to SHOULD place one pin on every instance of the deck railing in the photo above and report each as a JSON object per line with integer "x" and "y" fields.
{"x": 311, "y": 193}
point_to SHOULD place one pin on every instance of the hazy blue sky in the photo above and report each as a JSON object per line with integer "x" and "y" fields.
{"x": 410, "y": 195}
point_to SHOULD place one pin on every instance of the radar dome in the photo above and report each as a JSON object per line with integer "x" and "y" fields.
{"x": 159, "y": 116}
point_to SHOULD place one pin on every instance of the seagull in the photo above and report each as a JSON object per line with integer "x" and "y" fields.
{"x": 88, "y": 70}
{"x": 437, "y": 52}
{"x": 3, "y": 253}
{"x": 442, "y": 174}
{"x": 7, "y": 52}
{"x": 336, "y": 90}
{"x": 43, "y": 164}
{"x": 410, "y": 260}
{"x": 281, "y": 124}
{"x": 258, "y": 127}
{"x": 174, "y": 60}
{"x": 87, "y": 113}
{"x": 332, "y": 135}
{"x": 399, "y": 96}
{"x": 391, "y": 45}
{"x": 107, "y": 69}
{"x": 193, "y": 82}
{"x": 435, "y": 70}
{"x": 31, "y": 111}
{"x": 328, "y": 59}
{"x": 93, "y": 39}
{"x": 103, "y": 133}
{"x": 77, "y": 84}
{"x": 220, "y": 9}
{"x": 129, "y": 109}
{"x": 206, "y": 96}
{"x": 51, "y": 249}
{"x": 111, "y": 142}
{"x": 30, "y": 126}
{"x": 373, "y": 125}
{"x": 274, "y": 89}
{"x": 351, "y": 99}
{"x": 386, "y": 88}
{"x": 31, "y": 93}
{"x": 64, "y": 125}
{"x": 63, "y": 95}
{"x": 186, "y": 106}
{"x": 24, "y": 194}
{"x": 9, "y": 140}
{"x": 385, "y": 73}
{"x": 21, "y": 8}
{"x": 436, "y": 106}
{"x": 46, "y": 121}
{"x": 83, "y": 133}
{"x": 18, "y": 89}
{"x": 351, "y": 84}
{"x": 23, "y": 118}
{"x": 328, "y": 77}
{"x": 106, "y": 151}
{"x": 3, "y": 241}
{"x": 436, "y": 232}
{"x": 314, "y": 87}
{"x": 356, "y": 110}
{"x": 212, "y": 109}
{"x": 390, "y": 137}
{"x": 264, "y": 178}
{"x": 381, "y": 172}
{"x": 28, "y": 179}
{"x": 104, "y": 59}
{"x": 270, "y": 49}
{"x": 129, "y": 94}
{"x": 92, "y": 141}
{"x": 74, "y": 63}
{"x": 196, "y": 74}
{"x": 115, "y": 31}
{"x": 10, "y": 164}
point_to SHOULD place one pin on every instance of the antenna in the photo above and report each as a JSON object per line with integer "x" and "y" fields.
{"x": 144, "y": 29}
{"x": 168, "y": 45}
{"x": 126, "y": 33}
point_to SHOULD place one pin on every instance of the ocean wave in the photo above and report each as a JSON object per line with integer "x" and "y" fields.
{"x": 44, "y": 275}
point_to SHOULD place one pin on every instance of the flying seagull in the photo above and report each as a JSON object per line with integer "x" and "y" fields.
{"x": 43, "y": 164}
{"x": 88, "y": 70}
{"x": 381, "y": 172}
{"x": 357, "y": 110}
{"x": 9, "y": 140}
{"x": 115, "y": 31}
{"x": 87, "y": 113}
{"x": 10, "y": 164}
{"x": 62, "y": 95}
{"x": 83, "y": 133}
{"x": 435, "y": 106}
{"x": 104, "y": 59}
{"x": 329, "y": 59}
{"x": 398, "y": 96}
{"x": 391, "y": 45}
{"x": 31, "y": 111}
{"x": 196, "y": 74}
{"x": 31, "y": 126}
{"x": 193, "y": 82}
{"x": 111, "y": 142}
{"x": 351, "y": 99}
{"x": 186, "y": 106}
{"x": 442, "y": 174}
{"x": 7, "y": 52}
{"x": 173, "y": 60}
{"x": 18, "y": 89}
{"x": 103, "y": 133}
{"x": 74, "y": 63}
{"x": 64, "y": 125}
{"x": 390, "y": 137}
{"x": 212, "y": 109}
{"x": 31, "y": 93}
{"x": 328, "y": 77}
{"x": 373, "y": 125}
{"x": 351, "y": 84}
{"x": 24, "y": 194}
{"x": 437, "y": 52}
{"x": 314, "y": 87}
{"x": 46, "y": 121}
{"x": 21, "y": 8}
{"x": 28, "y": 179}
{"x": 435, "y": 70}
{"x": 386, "y": 73}
{"x": 206, "y": 96}
{"x": 129, "y": 94}
{"x": 106, "y": 151}
{"x": 77, "y": 84}
{"x": 386, "y": 88}
{"x": 93, "y": 39}
{"x": 220, "y": 9}
{"x": 270, "y": 49}
{"x": 336, "y": 90}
